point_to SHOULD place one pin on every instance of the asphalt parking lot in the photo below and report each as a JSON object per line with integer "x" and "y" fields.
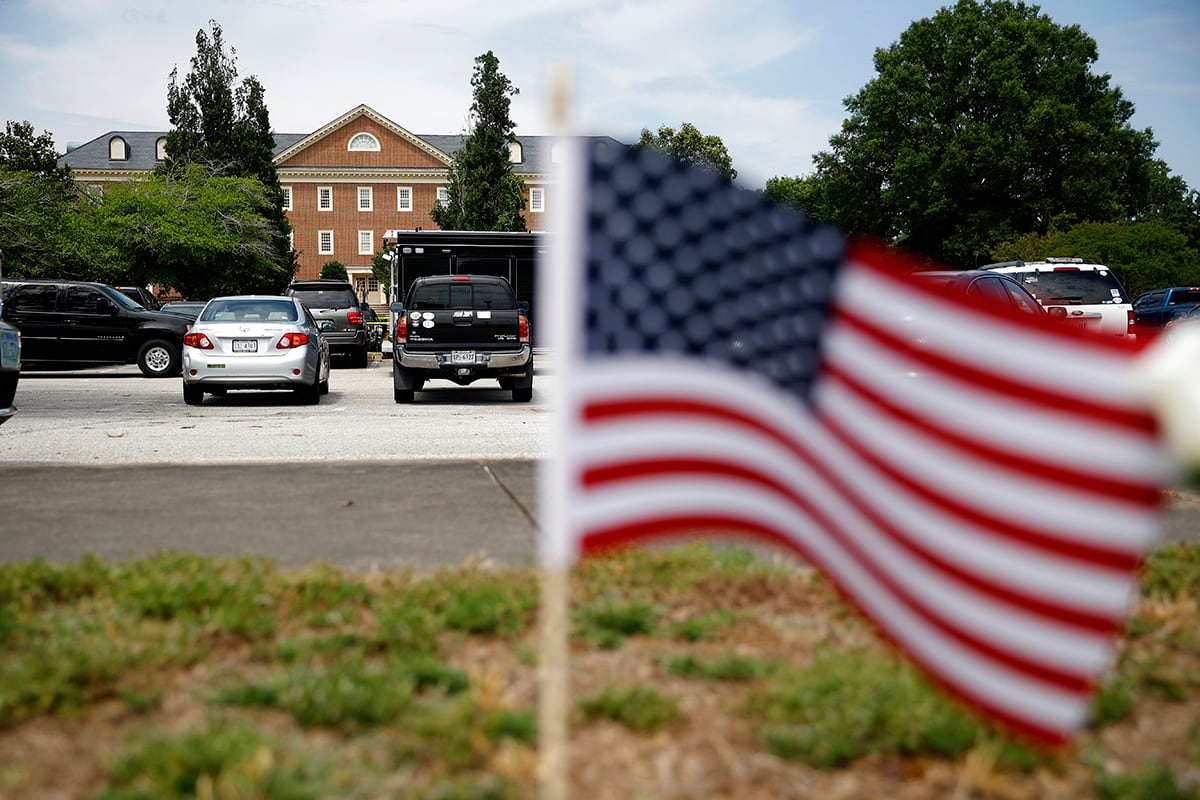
{"x": 107, "y": 462}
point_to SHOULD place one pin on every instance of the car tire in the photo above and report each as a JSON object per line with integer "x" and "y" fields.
{"x": 158, "y": 358}
{"x": 403, "y": 395}
{"x": 522, "y": 395}
{"x": 325, "y": 386}
{"x": 360, "y": 357}
{"x": 310, "y": 395}
{"x": 193, "y": 395}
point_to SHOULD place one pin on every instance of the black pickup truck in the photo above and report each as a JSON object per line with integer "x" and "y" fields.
{"x": 461, "y": 328}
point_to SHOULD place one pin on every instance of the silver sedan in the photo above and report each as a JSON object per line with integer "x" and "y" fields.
{"x": 255, "y": 342}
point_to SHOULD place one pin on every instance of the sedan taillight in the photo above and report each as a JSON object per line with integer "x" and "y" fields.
{"x": 197, "y": 340}
{"x": 290, "y": 340}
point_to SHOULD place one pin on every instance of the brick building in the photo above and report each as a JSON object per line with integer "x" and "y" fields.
{"x": 344, "y": 184}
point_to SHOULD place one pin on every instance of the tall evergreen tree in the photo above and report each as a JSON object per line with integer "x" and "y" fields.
{"x": 484, "y": 194}
{"x": 224, "y": 126}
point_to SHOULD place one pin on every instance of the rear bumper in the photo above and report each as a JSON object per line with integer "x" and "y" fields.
{"x": 291, "y": 369}
{"x": 485, "y": 361}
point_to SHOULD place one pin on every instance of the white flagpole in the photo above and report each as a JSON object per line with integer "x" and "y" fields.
{"x": 559, "y": 277}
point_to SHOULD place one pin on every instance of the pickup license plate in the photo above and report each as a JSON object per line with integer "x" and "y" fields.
{"x": 462, "y": 356}
{"x": 245, "y": 345}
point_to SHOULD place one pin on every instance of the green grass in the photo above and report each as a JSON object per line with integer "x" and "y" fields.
{"x": 367, "y": 665}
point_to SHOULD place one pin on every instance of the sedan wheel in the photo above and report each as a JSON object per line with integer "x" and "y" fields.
{"x": 193, "y": 395}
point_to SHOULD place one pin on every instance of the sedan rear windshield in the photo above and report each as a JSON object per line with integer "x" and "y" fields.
{"x": 1073, "y": 287}
{"x": 249, "y": 311}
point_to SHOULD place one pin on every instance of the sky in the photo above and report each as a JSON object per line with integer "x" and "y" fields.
{"x": 768, "y": 77}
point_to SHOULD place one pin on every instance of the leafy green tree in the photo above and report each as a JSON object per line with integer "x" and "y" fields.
{"x": 22, "y": 151}
{"x": 225, "y": 127}
{"x": 1145, "y": 255}
{"x": 984, "y": 122}
{"x": 200, "y": 234}
{"x": 691, "y": 146}
{"x": 484, "y": 194}
{"x": 334, "y": 271}
{"x": 37, "y": 226}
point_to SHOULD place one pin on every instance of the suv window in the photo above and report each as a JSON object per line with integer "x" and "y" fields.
{"x": 32, "y": 297}
{"x": 340, "y": 297}
{"x": 1073, "y": 287}
{"x": 83, "y": 300}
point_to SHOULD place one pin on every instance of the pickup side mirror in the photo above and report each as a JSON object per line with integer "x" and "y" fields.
{"x": 523, "y": 305}
{"x": 105, "y": 306}
{"x": 396, "y": 308}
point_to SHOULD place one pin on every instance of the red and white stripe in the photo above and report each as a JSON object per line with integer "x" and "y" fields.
{"x": 983, "y": 496}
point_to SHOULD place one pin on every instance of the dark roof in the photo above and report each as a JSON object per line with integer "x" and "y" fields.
{"x": 141, "y": 145}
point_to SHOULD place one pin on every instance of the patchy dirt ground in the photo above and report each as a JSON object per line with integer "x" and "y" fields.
{"x": 713, "y": 753}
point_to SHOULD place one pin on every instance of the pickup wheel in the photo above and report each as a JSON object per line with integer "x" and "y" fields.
{"x": 403, "y": 395}
{"x": 522, "y": 395}
{"x": 360, "y": 357}
{"x": 158, "y": 358}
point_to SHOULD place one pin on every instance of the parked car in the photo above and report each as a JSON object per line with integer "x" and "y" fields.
{"x": 10, "y": 369}
{"x": 141, "y": 295}
{"x": 82, "y": 324}
{"x": 255, "y": 342}
{"x": 1090, "y": 293}
{"x": 185, "y": 308}
{"x": 999, "y": 291}
{"x": 1156, "y": 308}
{"x": 336, "y": 309}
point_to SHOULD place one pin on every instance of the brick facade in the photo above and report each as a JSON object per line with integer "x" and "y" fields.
{"x": 323, "y": 159}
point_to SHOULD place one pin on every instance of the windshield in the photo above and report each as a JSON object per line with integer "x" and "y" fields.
{"x": 1073, "y": 287}
{"x": 242, "y": 310}
{"x": 462, "y": 295}
{"x": 127, "y": 301}
{"x": 326, "y": 298}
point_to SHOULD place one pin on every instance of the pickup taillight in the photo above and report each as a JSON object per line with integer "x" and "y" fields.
{"x": 400, "y": 335}
{"x": 523, "y": 328}
{"x": 354, "y": 317}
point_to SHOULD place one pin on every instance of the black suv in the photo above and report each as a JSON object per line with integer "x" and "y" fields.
{"x": 77, "y": 323}
{"x": 335, "y": 307}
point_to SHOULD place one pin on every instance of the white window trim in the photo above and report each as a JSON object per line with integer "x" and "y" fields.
{"x": 403, "y": 194}
{"x": 537, "y": 199}
{"x": 320, "y": 191}
{"x": 443, "y": 196}
{"x": 321, "y": 237}
{"x": 287, "y": 197}
{"x": 366, "y": 243}
{"x": 367, "y": 193}
{"x": 366, "y": 142}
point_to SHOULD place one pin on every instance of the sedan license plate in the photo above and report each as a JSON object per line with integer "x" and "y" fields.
{"x": 245, "y": 345}
{"x": 462, "y": 357}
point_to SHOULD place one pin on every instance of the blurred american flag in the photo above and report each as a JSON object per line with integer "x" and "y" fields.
{"x": 980, "y": 486}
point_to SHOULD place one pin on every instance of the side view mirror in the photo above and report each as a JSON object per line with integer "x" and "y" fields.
{"x": 105, "y": 306}
{"x": 523, "y": 305}
{"x": 396, "y": 308}
{"x": 1056, "y": 312}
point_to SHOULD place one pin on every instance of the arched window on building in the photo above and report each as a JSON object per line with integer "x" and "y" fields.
{"x": 363, "y": 141}
{"x": 515, "y": 152}
{"x": 160, "y": 149}
{"x": 118, "y": 150}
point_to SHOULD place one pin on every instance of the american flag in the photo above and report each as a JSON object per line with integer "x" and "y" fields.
{"x": 981, "y": 486}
